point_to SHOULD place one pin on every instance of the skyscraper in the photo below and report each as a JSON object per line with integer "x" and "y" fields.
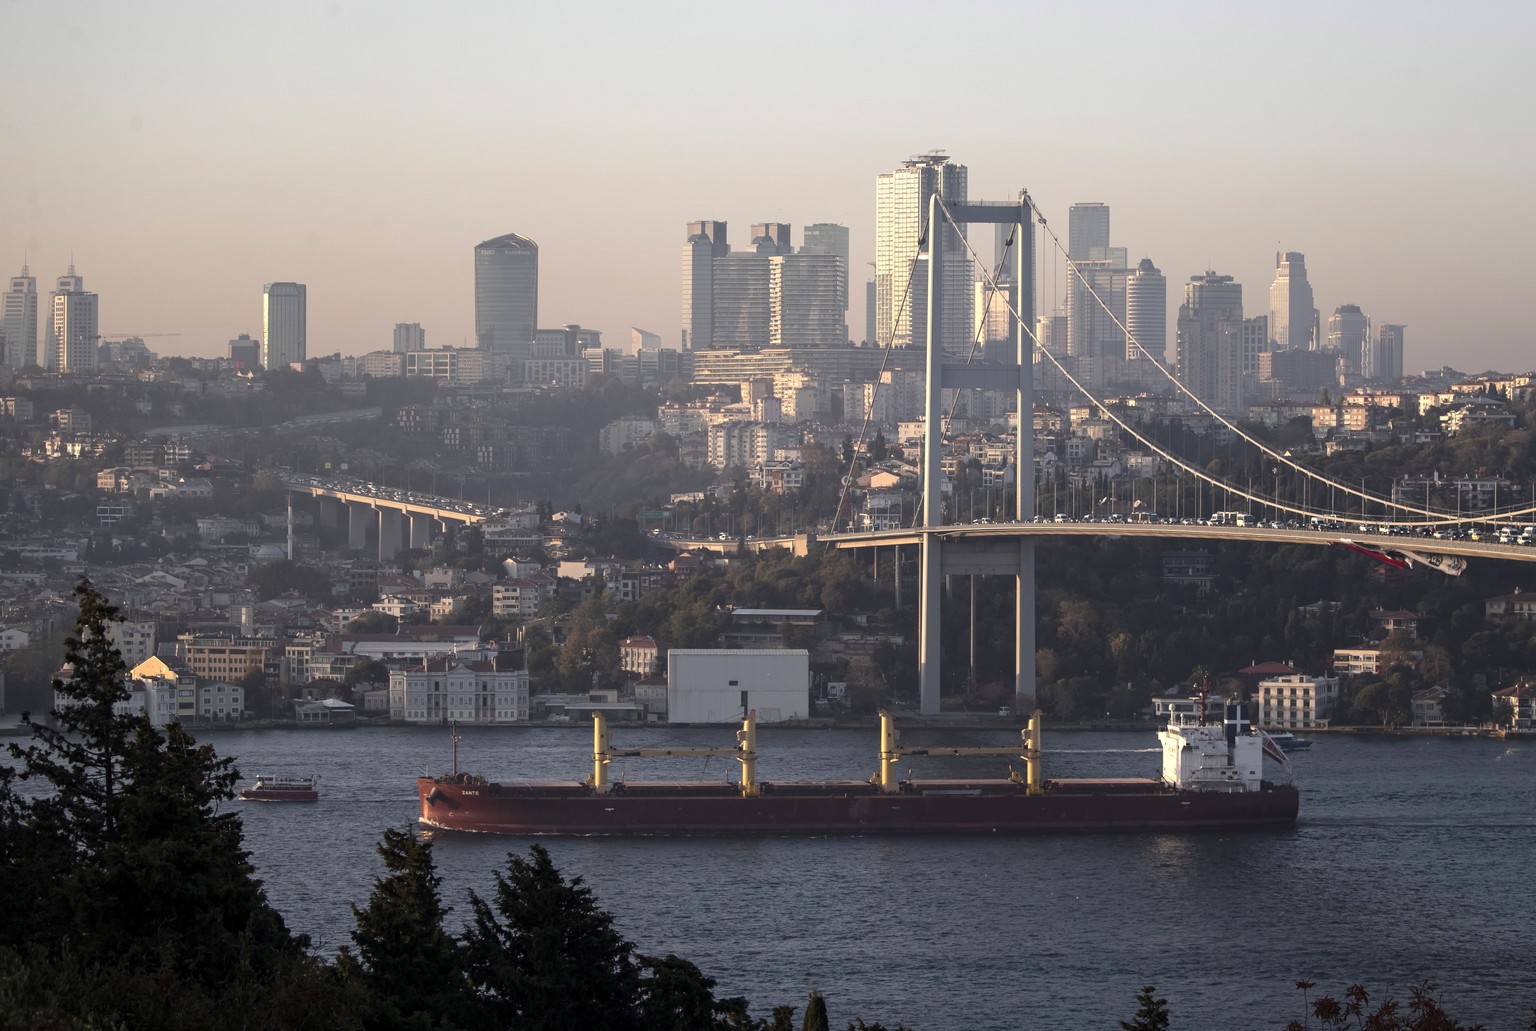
{"x": 807, "y": 300}
{"x": 829, "y": 238}
{"x": 1349, "y": 331}
{"x": 871, "y": 313}
{"x": 1383, "y": 363}
{"x": 18, "y": 321}
{"x": 901, "y": 274}
{"x": 739, "y": 301}
{"x": 1255, "y": 343}
{"x": 706, "y": 241}
{"x": 506, "y": 294}
{"x": 284, "y": 325}
{"x": 1292, "y": 314}
{"x": 1088, "y": 231}
{"x": 1146, "y": 313}
{"x": 1210, "y": 341}
{"x": 767, "y": 295}
{"x": 75, "y": 325}
{"x": 1097, "y": 277}
{"x": 409, "y": 336}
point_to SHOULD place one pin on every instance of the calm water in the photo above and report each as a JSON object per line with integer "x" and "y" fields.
{"x": 1411, "y": 861}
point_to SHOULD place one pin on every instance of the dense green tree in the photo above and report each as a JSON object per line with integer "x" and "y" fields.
{"x": 542, "y": 956}
{"x": 676, "y": 996}
{"x": 121, "y": 870}
{"x": 815, "y": 1013}
{"x": 408, "y": 965}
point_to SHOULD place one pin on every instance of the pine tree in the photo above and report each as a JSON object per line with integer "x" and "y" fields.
{"x": 1151, "y": 1012}
{"x": 410, "y": 967}
{"x": 139, "y": 869}
{"x": 815, "y": 1013}
{"x": 544, "y": 957}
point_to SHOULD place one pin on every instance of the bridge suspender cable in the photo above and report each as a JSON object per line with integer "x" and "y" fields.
{"x": 1436, "y": 518}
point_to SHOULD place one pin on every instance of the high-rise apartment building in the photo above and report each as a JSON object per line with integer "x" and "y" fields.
{"x": 75, "y": 325}
{"x": 1292, "y": 313}
{"x": 284, "y": 325}
{"x": 506, "y": 295}
{"x": 767, "y": 295}
{"x": 18, "y": 321}
{"x": 1210, "y": 341}
{"x": 901, "y": 274}
{"x": 1146, "y": 313}
{"x": 739, "y": 304}
{"x": 829, "y": 238}
{"x": 1383, "y": 358}
{"x": 1255, "y": 343}
{"x": 409, "y": 336}
{"x": 807, "y": 300}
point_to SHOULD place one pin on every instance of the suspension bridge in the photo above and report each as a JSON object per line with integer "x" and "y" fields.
{"x": 1404, "y": 535}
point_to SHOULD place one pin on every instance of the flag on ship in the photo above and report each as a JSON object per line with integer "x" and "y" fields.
{"x": 1274, "y": 751}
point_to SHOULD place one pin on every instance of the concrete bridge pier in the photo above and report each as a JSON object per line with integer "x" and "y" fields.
{"x": 330, "y": 512}
{"x": 389, "y": 532}
{"x": 359, "y": 521}
{"x": 421, "y": 531}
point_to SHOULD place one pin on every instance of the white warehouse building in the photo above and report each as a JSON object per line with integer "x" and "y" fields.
{"x": 719, "y": 685}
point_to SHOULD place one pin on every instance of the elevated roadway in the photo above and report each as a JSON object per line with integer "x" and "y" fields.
{"x": 399, "y": 518}
{"x": 981, "y": 533}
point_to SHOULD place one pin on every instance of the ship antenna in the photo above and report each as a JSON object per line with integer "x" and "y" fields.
{"x": 1205, "y": 689}
{"x": 454, "y": 736}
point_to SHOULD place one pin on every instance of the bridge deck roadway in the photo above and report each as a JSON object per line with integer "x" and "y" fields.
{"x": 416, "y": 508}
{"x": 1007, "y": 531}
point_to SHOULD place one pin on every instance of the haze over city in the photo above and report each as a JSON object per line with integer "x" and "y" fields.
{"x": 186, "y": 154}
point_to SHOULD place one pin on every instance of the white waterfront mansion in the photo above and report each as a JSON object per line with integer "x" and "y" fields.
{"x": 448, "y": 688}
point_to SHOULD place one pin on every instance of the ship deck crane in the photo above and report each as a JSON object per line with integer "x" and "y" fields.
{"x": 891, "y": 753}
{"x": 603, "y": 752}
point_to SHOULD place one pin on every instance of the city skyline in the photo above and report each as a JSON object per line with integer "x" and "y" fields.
{"x": 299, "y": 159}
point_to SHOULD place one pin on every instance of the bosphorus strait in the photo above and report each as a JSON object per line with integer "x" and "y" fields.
{"x": 1403, "y": 867}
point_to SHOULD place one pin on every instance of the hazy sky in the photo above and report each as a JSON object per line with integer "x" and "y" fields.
{"x": 186, "y": 153}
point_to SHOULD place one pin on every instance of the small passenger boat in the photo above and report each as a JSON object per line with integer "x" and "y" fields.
{"x": 283, "y": 789}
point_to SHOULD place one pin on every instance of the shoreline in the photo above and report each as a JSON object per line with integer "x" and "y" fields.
{"x": 909, "y": 721}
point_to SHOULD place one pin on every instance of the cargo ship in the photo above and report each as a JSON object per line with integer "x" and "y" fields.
{"x": 1212, "y": 778}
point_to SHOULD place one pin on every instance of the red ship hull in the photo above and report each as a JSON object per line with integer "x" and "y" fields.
{"x": 926, "y": 807}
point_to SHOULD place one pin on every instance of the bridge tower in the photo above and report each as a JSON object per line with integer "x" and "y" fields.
{"x": 939, "y": 556}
